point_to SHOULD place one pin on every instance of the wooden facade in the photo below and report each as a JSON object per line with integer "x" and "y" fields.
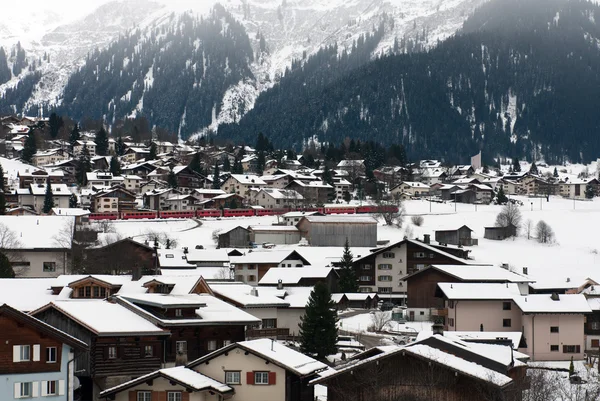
{"x": 460, "y": 236}
{"x": 422, "y": 287}
{"x": 418, "y": 257}
{"x": 321, "y": 232}
{"x": 238, "y": 237}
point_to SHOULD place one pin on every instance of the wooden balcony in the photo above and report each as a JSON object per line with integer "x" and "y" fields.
{"x": 439, "y": 312}
{"x": 280, "y": 334}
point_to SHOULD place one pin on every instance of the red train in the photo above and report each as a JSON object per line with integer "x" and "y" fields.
{"x": 188, "y": 214}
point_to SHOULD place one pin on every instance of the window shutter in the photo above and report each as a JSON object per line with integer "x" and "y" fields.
{"x": 17, "y": 390}
{"x": 155, "y": 395}
{"x": 564, "y": 349}
{"x": 16, "y": 353}
{"x": 61, "y": 387}
{"x": 35, "y": 387}
{"x": 250, "y": 378}
{"x": 36, "y": 352}
{"x": 578, "y": 349}
{"x": 272, "y": 378}
{"x": 44, "y": 388}
{"x": 132, "y": 396}
{"x": 185, "y": 396}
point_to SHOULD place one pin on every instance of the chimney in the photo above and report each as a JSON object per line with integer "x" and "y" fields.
{"x": 568, "y": 279}
{"x": 438, "y": 328}
{"x": 426, "y": 238}
{"x": 525, "y": 270}
{"x": 555, "y": 296}
{"x": 505, "y": 266}
{"x": 136, "y": 273}
{"x": 279, "y": 284}
{"x": 254, "y": 292}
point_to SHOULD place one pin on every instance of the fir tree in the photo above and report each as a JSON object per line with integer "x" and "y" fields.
{"x": 327, "y": 177}
{"x": 348, "y": 281}
{"x": 589, "y": 191}
{"x": 1, "y": 177}
{"x": 6, "y": 270}
{"x": 347, "y": 197}
{"x": 226, "y": 164}
{"x": 48, "y": 199}
{"x": 237, "y": 166}
{"x": 318, "y": 330}
{"x": 73, "y": 201}
{"x": 516, "y": 165}
{"x": 55, "y": 123}
{"x": 172, "y": 179}
{"x": 2, "y": 203}
{"x": 115, "y": 166}
{"x": 75, "y": 135}
{"x": 30, "y": 148}
{"x": 84, "y": 166}
{"x": 120, "y": 146}
{"x": 533, "y": 169}
{"x": 196, "y": 164}
{"x": 216, "y": 180}
{"x": 153, "y": 152}
{"x": 101, "y": 141}
{"x": 571, "y": 368}
{"x": 260, "y": 163}
{"x": 501, "y": 198}
{"x": 555, "y": 174}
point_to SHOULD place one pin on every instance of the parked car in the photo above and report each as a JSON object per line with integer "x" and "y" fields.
{"x": 387, "y": 306}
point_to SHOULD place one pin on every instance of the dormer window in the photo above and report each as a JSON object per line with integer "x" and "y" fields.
{"x": 178, "y": 313}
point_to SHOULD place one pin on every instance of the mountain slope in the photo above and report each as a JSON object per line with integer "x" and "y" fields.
{"x": 519, "y": 81}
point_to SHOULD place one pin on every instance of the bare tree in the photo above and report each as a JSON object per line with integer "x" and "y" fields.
{"x": 391, "y": 210}
{"x": 379, "y": 320}
{"x": 544, "y": 232}
{"x": 215, "y": 235}
{"x": 510, "y": 215}
{"x": 417, "y": 220}
{"x": 224, "y": 273}
{"x": 528, "y": 226}
{"x": 11, "y": 246}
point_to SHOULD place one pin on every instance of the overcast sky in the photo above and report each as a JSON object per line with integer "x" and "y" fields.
{"x": 69, "y": 8}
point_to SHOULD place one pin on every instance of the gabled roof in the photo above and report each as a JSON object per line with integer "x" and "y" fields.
{"x": 480, "y": 291}
{"x": 273, "y": 257}
{"x": 377, "y": 251}
{"x": 293, "y": 275}
{"x": 274, "y": 352}
{"x": 478, "y": 273}
{"x": 545, "y": 303}
{"x": 246, "y": 296}
{"x": 41, "y": 326}
{"x": 188, "y": 378}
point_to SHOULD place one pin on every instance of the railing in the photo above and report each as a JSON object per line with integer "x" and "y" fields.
{"x": 280, "y": 334}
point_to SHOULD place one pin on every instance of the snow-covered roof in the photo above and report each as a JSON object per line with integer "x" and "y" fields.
{"x": 484, "y": 336}
{"x": 38, "y": 292}
{"x": 481, "y": 273}
{"x": 179, "y": 374}
{"x": 291, "y": 215}
{"x": 271, "y": 256}
{"x": 62, "y": 211}
{"x": 350, "y": 163}
{"x": 105, "y": 318}
{"x": 207, "y": 255}
{"x": 352, "y": 296}
{"x": 166, "y": 300}
{"x": 276, "y": 193}
{"x": 248, "y": 179}
{"x": 543, "y": 303}
{"x": 480, "y": 291}
{"x": 246, "y": 295}
{"x": 293, "y": 275}
{"x": 274, "y": 228}
{"x": 57, "y": 189}
{"x": 40, "y": 232}
{"x": 415, "y": 184}
{"x": 312, "y": 184}
{"x": 335, "y": 219}
{"x": 205, "y": 191}
{"x": 297, "y": 297}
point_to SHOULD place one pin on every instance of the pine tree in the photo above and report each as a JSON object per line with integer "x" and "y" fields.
{"x": 30, "y": 148}
{"x": 55, "y": 123}
{"x": 84, "y": 166}
{"x": 153, "y": 152}
{"x": 327, "y": 177}
{"x": 571, "y": 368}
{"x": 216, "y": 180}
{"x": 237, "y": 166}
{"x": 48, "y": 199}
{"x": 318, "y": 329}
{"x": 555, "y": 174}
{"x": 516, "y": 165}
{"x": 501, "y": 198}
{"x": 73, "y": 201}
{"x": 115, "y": 166}
{"x": 226, "y": 164}
{"x": 75, "y": 135}
{"x": 589, "y": 192}
{"x": 101, "y": 141}
{"x": 6, "y": 270}
{"x": 196, "y": 164}
{"x": 348, "y": 281}
{"x": 172, "y": 179}
{"x": 120, "y": 147}
{"x": 2, "y": 203}
{"x": 260, "y": 163}
{"x": 533, "y": 169}
{"x": 1, "y": 177}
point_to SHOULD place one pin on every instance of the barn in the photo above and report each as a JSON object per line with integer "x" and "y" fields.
{"x": 361, "y": 231}
{"x": 238, "y": 237}
{"x": 274, "y": 234}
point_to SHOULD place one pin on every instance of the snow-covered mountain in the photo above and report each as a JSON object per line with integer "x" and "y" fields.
{"x": 280, "y": 31}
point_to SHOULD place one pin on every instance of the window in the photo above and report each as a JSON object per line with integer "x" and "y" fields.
{"x": 422, "y": 313}
{"x": 419, "y": 267}
{"x": 174, "y": 396}
{"x": 251, "y": 267}
{"x": 148, "y": 351}
{"x": 251, "y": 277}
{"x": 226, "y": 343}
{"x": 178, "y": 312}
{"x": 50, "y": 354}
{"x": 88, "y": 292}
{"x": 553, "y": 329}
{"x": 384, "y": 278}
{"x": 181, "y": 347}
{"x": 389, "y": 255}
{"x": 419, "y": 255}
{"x": 25, "y": 390}
{"x": 365, "y": 278}
{"x": 384, "y": 290}
{"x": 451, "y": 304}
{"x": 261, "y": 377}
{"x": 233, "y": 377}
{"x": 365, "y": 289}
{"x": 51, "y": 387}
{"x": 22, "y": 353}
{"x": 96, "y": 292}
{"x": 595, "y": 326}
{"x": 554, "y": 348}
{"x": 451, "y": 322}
{"x": 366, "y": 267}
{"x": 49, "y": 267}
{"x": 571, "y": 349}
{"x": 211, "y": 345}
{"x": 385, "y": 266}
{"x": 102, "y": 292}
{"x": 506, "y": 323}
{"x": 269, "y": 323}
{"x": 506, "y": 306}
{"x": 112, "y": 352}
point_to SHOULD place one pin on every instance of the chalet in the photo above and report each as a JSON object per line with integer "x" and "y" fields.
{"x": 552, "y": 325}
{"x": 185, "y": 202}
{"x": 101, "y": 163}
{"x": 113, "y": 200}
{"x": 140, "y": 169}
{"x": 132, "y": 183}
{"x": 342, "y": 186}
{"x": 300, "y": 277}
{"x": 50, "y": 156}
{"x": 100, "y": 179}
{"x": 352, "y": 166}
{"x": 500, "y": 233}
{"x": 272, "y": 198}
{"x": 208, "y": 258}
{"x": 34, "y": 255}
{"x": 251, "y": 267}
{"x": 461, "y": 371}
{"x": 238, "y": 237}
{"x": 226, "y": 201}
{"x": 432, "y": 176}
{"x": 36, "y": 357}
{"x": 120, "y": 257}
{"x": 122, "y": 344}
{"x": 412, "y": 188}
{"x": 274, "y": 234}
{"x": 240, "y": 184}
{"x": 34, "y": 196}
{"x": 509, "y": 186}
{"x": 463, "y": 171}
{"x": 188, "y": 178}
{"x": 277, "y": 181}
{"x": 460, "y": 236}
{"x": 133, "y": 154}
{"x": 382, "y": 270}
{"x": 359, "y": 300}
{"x": 359, "y": 231}
{"x": 199, "y": 323}
{"x": 79, "y": 145}
{"x": 206, "y": 193}
{"x": 157, "y": 198}
{"x": 313, "y": 192}
{"x": 27, "y": 178}
{"x": 246, "y": 371}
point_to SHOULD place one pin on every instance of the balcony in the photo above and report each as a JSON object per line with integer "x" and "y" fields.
{"x": 439, "y": 312}
{"x": 279, "y": 334}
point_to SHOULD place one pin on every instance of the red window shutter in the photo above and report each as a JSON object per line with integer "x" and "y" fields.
{"x": 185, "y": 396}
{"x": 133, "y": 396}
{"x": 155, "y": 395}
{"x": 250, "y": 378}
{"x": 272, "y": 378}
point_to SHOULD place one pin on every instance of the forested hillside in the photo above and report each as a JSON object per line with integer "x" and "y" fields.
{"x": 521, "y": 80}
{"x": 176, "y": 74}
